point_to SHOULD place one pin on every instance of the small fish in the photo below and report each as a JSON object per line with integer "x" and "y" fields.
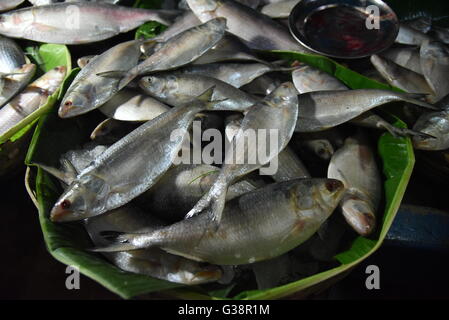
{"x": 260, "y": 32}
{"x": 89, "y": 91}
{"x": 263, "y": 85}
{"x": 153, "y": 262}
{"x": 410, "y": 36}
{"x": 286, "y": 214}
{"x": 279, "y": 10}
{"x": 14, "y": 82}
{"x": 355, "y": 166}
{"x": 321, "y": 144}
{"x": 110, "y": 131}
{"x": 326, "y": 109}
{"x": 83, "y": 61}
{"x": 310, "y": 79}
{"x": 277, "y": 112}
{"x": 436, "y": 124}
{"x": 435, "y": 66}
{"x": 407, "y": 57}
{"x": 84, "y": 22}
{"x": 177, "y": 89}
{"x": 178, "y": 50}
{"x": 32, "y": 98}
{"x": 130, "y": 166}
{"x": 401, "y": 77}
{"x": 129, "y": 105}
{"x": 181, "y": 188}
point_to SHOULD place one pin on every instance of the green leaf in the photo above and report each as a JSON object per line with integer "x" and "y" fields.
{"x": 149, "y": 30}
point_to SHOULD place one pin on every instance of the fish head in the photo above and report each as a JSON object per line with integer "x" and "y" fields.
{"x": 77, "y": 101}
{"x": 72, "y": 205}
{"x": 204, "y": 9}
{"x": 359, "y": 213}
{"x": 435, "y": 124}
{"x": 83, "y": 61}
{"x": 217, "y": 25}
{"x": 159, "y": 86}
{"x": 19, "y": 22}
{"x": 52, "y": 80}
{"x": 322, "y": 148}
{"x": 283, "y": 96}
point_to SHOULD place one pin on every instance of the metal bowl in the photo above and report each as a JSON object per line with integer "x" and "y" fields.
{"x": 344, "y": 28}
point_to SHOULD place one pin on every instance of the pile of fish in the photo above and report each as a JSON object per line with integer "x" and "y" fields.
{"x": 196, "y": 222}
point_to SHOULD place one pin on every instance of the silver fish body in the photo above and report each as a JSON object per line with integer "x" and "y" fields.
{"x": 355, "y": 166}
{"x": 186, "y": 21}
{"x": 410, "y": 36}
{"x": 153, "y": 262}
{"x": 276, "y": 113}
{"x": 15, "y": 82}
{"x": 82, "y": 22}
{"x": 260, "y": 32}
{"x": 263, "y": 85}
{"x": 286, "y": 214}
{"x": 29, "y": 100}
{"x": 130, "y": 166}
{"x": 435, "y": 66}
{"x": 407, "y": 57}
{"x": 88, "y": 90}
{"x": 177, "y": 89}
{"x": 280, "y": 9}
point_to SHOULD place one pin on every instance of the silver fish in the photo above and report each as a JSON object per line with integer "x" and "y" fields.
{"x": 407, "y": 57}
{"x": 153, "y": 262}
{"x": 355, "y": 166}
{"x": 177, "y": 89}
{"x": 235, "y": 74}
{"x": 260, "y": 32}
{"x": 277, "y": 112}
{"x": 286, "y": 214}
{"x": 110, "y": 131}
{"x": 83, "y": 61}
{"x": 179, "y": 50}
{"x": 14, "y": 82}
{"x": 435, "y": 66}
{"x": 129, "y": 105}
{"x": 263, "y": 85}
{"x": 321, "y": 144}
{"x": 119, "y": 175}
{"x": 181, "y": 188}
{"x": 401, "y": 77}
{"x": 435, "y": 124}
{"x": 410, "y": 36}
{"x": 229, "y": 48}
{"x": 280, "y": 9}
{"x": 31, "y": 99}
{"x": 186, "y": 21}
{"x": 89, "y": 91}
{"x": 82, "y": 22}
{"x": 326, "y": 109}
{"x": 309, "y": 79}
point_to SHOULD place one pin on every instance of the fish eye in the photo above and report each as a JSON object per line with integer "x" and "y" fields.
{"x": 66, "y": 204}
{"x": 68, "y": 103}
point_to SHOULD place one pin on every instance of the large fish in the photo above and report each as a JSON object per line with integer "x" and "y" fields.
{"x": 256, "y": 29}
{"x": 275, "y": 114}
{"x": 29, "y": 100}
{"x": 75, "y": 23}
{"x": 355, "y": 166}
{"x": 257, "y": 226}
{"x": 130, "y": 166}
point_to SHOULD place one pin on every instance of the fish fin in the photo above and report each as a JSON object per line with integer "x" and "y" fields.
{"x": 120, "y": 241}
{"x": 404, "y": 132}
{"x": 206, "y": 96}
{"x": 116, "y": 74}
{"x": 65, "y": 177}
{"x": 70, "y": 167}
{"x": 413, "y": 98}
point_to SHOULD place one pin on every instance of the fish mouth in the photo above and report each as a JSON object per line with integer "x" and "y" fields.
{"x": 59, "y": 214}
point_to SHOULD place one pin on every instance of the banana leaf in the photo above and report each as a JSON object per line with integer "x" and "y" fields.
{"x": 66, "y": 242}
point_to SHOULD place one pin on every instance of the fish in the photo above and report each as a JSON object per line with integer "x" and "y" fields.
{"x": 289, "y": 165}
{"x": 178, "y": 50}
{"x": 410, "y": 36}
{"x": 89, "y": 91}
{"x": 286, "y": 215}
{"x": 82, "y": 22}
{"x": 263, "y": 85}
{"x": 130, "y": 105}
{"x": 184, "y": 22}
{"x": 321, "y": 144}
{"x": 435, "y": 66}
{"x": 229, "y": 48}
{"x": 110, "y": 131}
{"x": 45, "y": 2}
{"x": 400, "y": 77}
{"x": 32, "y": 98}
{"x": 421, "y": 24}
{"x": 279, "y": 10}
{"x": 10, "y": 4}
{"x": 435, "y": 124}
{"x": 355, "y": 166}
{"x": 326, "y": 109}
{"x": 276, "y": 112}
{"x": 181, "y": 188}
{"x": 83, "y": 61}
{"x": 130, "y": 166}
{"x": 177, "y": 89}
{"x": 235, "y": 74}
{"x": 153, "y": 262}
{"x": 407, "y": 57}
{"x": 310, "y": 79}
{"x": 260, "y": 32}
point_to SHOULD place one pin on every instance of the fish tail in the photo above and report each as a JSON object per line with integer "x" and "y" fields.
{"x": 414, "y": 98}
